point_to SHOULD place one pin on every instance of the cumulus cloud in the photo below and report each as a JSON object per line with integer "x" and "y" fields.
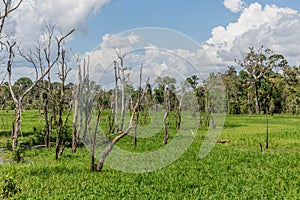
{"x": 28, "y": 21}
{"x": 271, "y": 26}
{"x": 67, "y": 14}
{"x": 234, "y": 5}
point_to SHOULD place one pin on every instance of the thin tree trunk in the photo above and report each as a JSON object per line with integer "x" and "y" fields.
{"x": 135, "y": 129}
{"x": 17, "y": 125}
{"x": 267, "y": 133}
{"x": 76, "y": 104}
{"x": 123, "y": 97}
{"x": 167, "y": 105}
{"x": 47, "y": 126}
{"x": 179, "y": 114}
{"x": 115, "y": 112}
{"x": 138, "y": 113}
{"x": 116, "y": 139}
{"x": 166, "y": 135}
{"x": 94, "y": 136}
{"x": 256, "y": 98}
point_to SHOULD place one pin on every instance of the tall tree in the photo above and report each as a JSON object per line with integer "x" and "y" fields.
{"x": 18, "y": 100}
{"x": 255, "y": 63}
{"x": 61, "y": 129}
{"x": 44, "y": 55}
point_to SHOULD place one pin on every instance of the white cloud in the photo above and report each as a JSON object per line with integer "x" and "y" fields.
{"x": 67, "y": 14}
{"x": 234, "y": 5}
{"x": 271, "y": 26}
{"x": 32, "y": 15}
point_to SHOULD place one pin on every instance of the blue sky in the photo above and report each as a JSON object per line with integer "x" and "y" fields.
{"x": 223, "y": 29}
{"x": 196, "y": 18}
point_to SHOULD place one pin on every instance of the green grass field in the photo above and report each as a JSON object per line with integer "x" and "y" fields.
{"x": 234, "y": 170}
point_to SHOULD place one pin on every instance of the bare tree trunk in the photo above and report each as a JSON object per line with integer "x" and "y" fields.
{"x": 76, "y": 103}
{"x": 166, "y": 135}
{"x": 47, "y": 126}
{"x": 61, "y": 125}
{"x": 117, "y": 138}
{"x": 138, "y": 113}
{"x": 17, "y": 125}
{"x": 5, "y": 11}
{"x": 18, "y": 101}
{"x": 179, "y": 114}
{"x": 167, "y": 106}
{"x": 267, "y": 133}
{"x": 178, "y": 119}
{"x": 115, "y": 114}
{"x": 94, "y": 136}
{"x": 123, "y": 96}
{"x": 256, "y": 98}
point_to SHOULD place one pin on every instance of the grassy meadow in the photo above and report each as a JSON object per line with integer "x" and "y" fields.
{"x": 234, "y": 170}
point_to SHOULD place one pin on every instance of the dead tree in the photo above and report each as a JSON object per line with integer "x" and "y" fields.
{"x": 5, "y": 10}
{"x": 41, "y": 57}
{"x": 61, "y": 124}
{"x": 115, "y": 111}
{"x": 16, "y": 127}
{"x": 76, "y": 99}
{"x": 108, "y": 149}
{"x": 167, "y": 108}
{"x": 93, "y": 136}
{"x": 138, "y": 111}
{"x": 123, "y": 81}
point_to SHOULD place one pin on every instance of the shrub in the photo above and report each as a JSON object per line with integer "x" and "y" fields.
{"x": 9, "y": 188}
{"x": 18, "y": 154}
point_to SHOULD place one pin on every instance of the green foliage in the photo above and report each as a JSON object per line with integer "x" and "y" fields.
{"x": 9, "y": 187}
{"x": 18, "y": 154}
{"x": 235, "y": 170}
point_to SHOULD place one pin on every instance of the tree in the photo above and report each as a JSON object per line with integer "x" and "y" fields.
{"x": 5, "y": 10}
{"x": 255, "y": 63}
{"x": 232, "y": 86}
{"x": 18, "y": 100}
{"x": 77, "y": 91}
{"x": 43, "y": 57}
{"x": 61, "y": 129}
{"x": 108, "y": 149}
{"x": 123, "y": 84}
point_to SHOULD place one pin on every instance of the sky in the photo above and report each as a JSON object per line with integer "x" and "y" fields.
{"x": 221, "y": 29}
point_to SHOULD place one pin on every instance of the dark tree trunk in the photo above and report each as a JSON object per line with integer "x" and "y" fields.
{"x": 256, "y": 98}
{"x": 47, "y": 126}
{"x": 267, "y": 135}
{"x": 166, "y": 135}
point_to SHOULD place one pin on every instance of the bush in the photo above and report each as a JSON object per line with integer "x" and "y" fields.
{"x": 18, "y": 154}
{"x": 9, "y": 188}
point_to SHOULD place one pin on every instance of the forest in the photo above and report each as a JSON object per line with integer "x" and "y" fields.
{"x": 52, "y": 133}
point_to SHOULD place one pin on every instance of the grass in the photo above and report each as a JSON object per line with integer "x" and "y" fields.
{"x": 235, "y": 170}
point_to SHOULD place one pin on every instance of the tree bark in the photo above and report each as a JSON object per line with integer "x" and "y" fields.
{"x": 17, "y": 125}
{"x": 47, "y": 126}
{"x": 256, "y": 98}
{"x": 116, "y": 139}
{"x": 166, "y": 135}
{"x": 167, "y": 107}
